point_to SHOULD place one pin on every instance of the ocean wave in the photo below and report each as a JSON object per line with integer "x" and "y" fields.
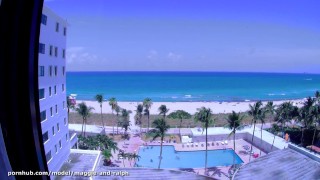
{"x": 174, "y": 97}
{"x": 310, "y": 79}
{"x": 283, "y": 94}
{"x": 271, "y": 94}
{"x": 187, "y": 96}
{"x": 246, "y": 100}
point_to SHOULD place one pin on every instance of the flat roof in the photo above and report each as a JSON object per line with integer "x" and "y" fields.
{"x": 282, "y": 164}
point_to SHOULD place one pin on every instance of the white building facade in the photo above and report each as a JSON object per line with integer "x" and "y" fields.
{"x": 52, "y": 89}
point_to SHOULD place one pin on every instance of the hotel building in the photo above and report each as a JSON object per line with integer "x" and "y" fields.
{"x": 52, "y": 89}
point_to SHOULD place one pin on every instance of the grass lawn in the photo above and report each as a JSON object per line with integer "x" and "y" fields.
{"x": 111, "y": 120}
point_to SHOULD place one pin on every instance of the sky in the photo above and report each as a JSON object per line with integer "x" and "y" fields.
{"x": 192, "y": 35}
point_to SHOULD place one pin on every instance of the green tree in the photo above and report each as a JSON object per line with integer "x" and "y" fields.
{"x": 204, "y": 116}
{"x": 305, "y": 117}
{"x": 257, "y": 113}
{"x": 285, "y": 113}
{"x": 163, "y": 110}
{"x": 234, "y": 123}
{"x": 180, "y": 114}
{"x": 107, "y": 155}
{"x": 147, "y": 103}
{"x": 161, "y": 127}
{"x": 135, "y": 157}
{"x": 99, "y": 99}
{"x": 316, "y": 114}
{"x": 70, "y": 105}
{"x": 274, "y": 130}
{"x": 125, "y": 122}
{"x": 124, "y": 156}
{"x": 117, "y": 109}
{"x": 113, "y": 103}
{"x": 138, "y": 115}
{"x": 84, "y": 111}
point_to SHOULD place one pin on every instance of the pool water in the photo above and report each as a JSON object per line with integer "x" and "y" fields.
{"x": 185, "y": 159}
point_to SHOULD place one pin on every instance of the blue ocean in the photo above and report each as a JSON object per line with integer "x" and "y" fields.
{"x": 192, "y": 86}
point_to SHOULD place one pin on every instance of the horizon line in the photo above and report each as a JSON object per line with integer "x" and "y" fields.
{"x": 262, "y": 72}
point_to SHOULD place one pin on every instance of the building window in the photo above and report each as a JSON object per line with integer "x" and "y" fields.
{"x": 63, "y": 70}
{"x": 50, "y": 92}
{"x": 50, "y": 71}
{"x": 43, "y": 115}
{"x": 56, "y": 70}
{"x": 41, "y": 93}
{"x": 53, "y": 133}
{"x": 45, "y": 137}
{"x": 65, "y": 121}
{"x": 60, "y": 144}
{"x": 64, "y": 31}
{"x": 57, "y": 27}
{"x": 58, "y": 127}
{"x": 42, "y": 48}
{"x": 62, "y": 87}
{"x": 51, "y": 111}
{"x": 41, "y": 70}
{"x": 56, "y": 109}
{"x": 56, "y": 51}
{"x": 63, "y": 53}
{"x": 48, "y": 156}
{"x": 67, "y": 137}
{"x": 51, "y": 50}
{"x": 56, "y": 148}
{"x": 44, "y": 19}
{"x": 55, "y": 89}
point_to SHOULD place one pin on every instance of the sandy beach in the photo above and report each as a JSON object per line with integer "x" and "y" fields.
{"x": 191, "y": 107}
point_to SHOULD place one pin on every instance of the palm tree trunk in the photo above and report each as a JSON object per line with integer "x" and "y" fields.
{"x": 314, "y": 134}
{"x": 82, "y": 126}
{"x": 274, "y": 137}
{"x": 85, "y": 126}
{"x": 301, "y": 140}
{"x": 254, "y": 128}
{"x": 160, "y": 158}
{"x": 102, "y": 117}
{"x": 180, "y": 129}
{"x": 261, "y": 138}
{"x": 205, "y": 167}
{"x": 148, "y": 120}
{"x": 234, "y": 147}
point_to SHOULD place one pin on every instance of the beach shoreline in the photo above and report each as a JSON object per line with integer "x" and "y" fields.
{"x": 191, "y": 107}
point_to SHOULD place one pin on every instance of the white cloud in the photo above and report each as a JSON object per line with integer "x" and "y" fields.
{"x": 153, "y": 54}
{"x": 174, "y": 56}
{"x": 78, "y": 55}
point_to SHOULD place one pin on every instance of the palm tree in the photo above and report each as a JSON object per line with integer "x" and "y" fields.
{"x": 99, "y": 99}
{"x": 270, "y": 108}
{"x": 107, "y": 155}
{"x": 285, "y": 113}
{"x": 124, "y": 156}
{"x": 117, "y": 109}
{"x": 163, "y": 110}
{"x": 125, "y": 122}
{"x": 257, "y": 113}
{"x": 317, "y": 96}
{"x": 204, "y": 115}
{"x": 305, "y": 116}
{"x": 138, "y": 115}
{"x": 316, "y": 114}
{"x": 147, "y": 103}
{"x": 161, "y": 127}
{"x": 106, "y": 143}
{"x": 70, "y": 105}
{"x": 84, "y": 111}
{"x": 275, "y": 129}
{"x": 113, "y": 103}
{"x": 135, "y": 157}
{"x": 234, "y": 123}
{"x": 180, "y": 114}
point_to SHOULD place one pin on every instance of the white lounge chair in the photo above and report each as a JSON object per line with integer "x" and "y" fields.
{"x": 226, "y": 142}
{"x": 222, "y": 142}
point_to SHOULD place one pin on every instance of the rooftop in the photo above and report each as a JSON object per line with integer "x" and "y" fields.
{"x": 281, "y": 164}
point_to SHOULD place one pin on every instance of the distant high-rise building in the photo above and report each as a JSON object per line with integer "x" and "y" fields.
{"x": 52, "y": 89}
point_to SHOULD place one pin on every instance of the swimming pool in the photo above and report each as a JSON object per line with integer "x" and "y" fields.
{"x": 185, "y": 159}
